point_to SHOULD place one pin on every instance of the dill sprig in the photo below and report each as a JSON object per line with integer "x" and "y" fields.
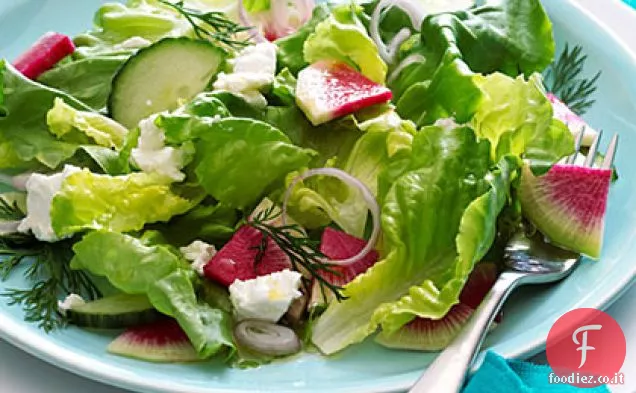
{"x": 9, "y": 211}
{"x": 48, "y": 268}
{"x": 303, "y": 252}
{"x": 211, "y": 25}
{"x": 564, "y": 80}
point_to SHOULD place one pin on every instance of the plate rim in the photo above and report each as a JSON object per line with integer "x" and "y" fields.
{"x": 40, "y": 346}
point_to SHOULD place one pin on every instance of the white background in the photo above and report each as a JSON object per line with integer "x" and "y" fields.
{"x": 22, "y": 373}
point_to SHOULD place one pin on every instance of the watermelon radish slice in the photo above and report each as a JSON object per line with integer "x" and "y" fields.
{"x": 338, "y": 245}
{"x": 163, "y": 341}
{"x": 423, "y": 334}
{"x": 567, "y": 205}
{"x": 44, "y": 54}
{"x": 235, "y": 261}
{"x": 572, "y": 120}
{"x": 327, "y": 90}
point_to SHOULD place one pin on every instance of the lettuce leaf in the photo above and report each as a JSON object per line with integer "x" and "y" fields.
{"x": 319, "y": 200}
{"x": 129, "y": 264}
{"x": 210, "y": 222}
{"x": 342, "y": 36}
{"x": 25, "y": 140}
{"x": 183, "y": 124}
{"x": 438, "y": 219}
{"x": 257, "y": 5}
{"x": 209, "y": 329}
{"x": 513, "y": 113}
{"x": 238, "y": 160}
{"x": 116, "y": 203}
{"x": 512, "y": 37}
{"x": 63, "y": 120}
{"x": 290, "y": 48}
{"x": 87, "y": 79}
{"x": 140, "y": 266}
{"x": 333, "y": 140}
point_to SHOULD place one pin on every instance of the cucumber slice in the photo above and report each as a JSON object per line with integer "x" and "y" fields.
{"x": 157, "y": 77}
{"x": 114, "y": 312}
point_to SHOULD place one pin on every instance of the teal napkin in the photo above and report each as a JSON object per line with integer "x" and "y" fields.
{"x": 631, "y": 2}
{"x": 498, "y": 375}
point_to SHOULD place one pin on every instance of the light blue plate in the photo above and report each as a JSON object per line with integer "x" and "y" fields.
{"x": 364, "y": 368}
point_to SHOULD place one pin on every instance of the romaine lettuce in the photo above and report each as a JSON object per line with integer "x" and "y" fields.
{"x": 438, "y": 219}
{"x": 25, "y": 140}
{"x": 87, "y": 79}
{"x": 238, "y": 160}
{"x": 290, "y": 48}
{"x": 342, "y": 36}
{"x": 129, "y": 264}
{"x": 64, "y": 120}
{"x": 209, "y": 329}
{"x": 512, "y": 37}
{"x": 514, "y": 112}
{"x": 116, "y": 203}
{"x": 138, "y": 266}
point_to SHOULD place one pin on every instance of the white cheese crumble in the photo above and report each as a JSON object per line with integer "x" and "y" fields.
{"x": 153, "y": 156}
{"x": 252, "y": 70}
{"x": 199, "y": 253}
{"x": 266, "y": 297}
{"x": 40, "y": 192}
{"x": 71, "y": 301}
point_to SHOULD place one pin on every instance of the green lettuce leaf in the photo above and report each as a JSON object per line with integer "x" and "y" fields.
{"x": 210, "y": 222}
{"x": 129, "y": 264}
{"x": 290, "y": 48}
{"x": 87, "y": 79}
{"x": 342, "y": 36}
{"x": 454, "y": 47}
{"x": 25, "y": 140}
{"x": 183, "y": 124}
{"x": 238, "y": 160}
{"x": 256, "y": 5}
{"x": 63, "y": 119}
{"x": 209, "y": 329}
{"x": 141, "y": 266}
{"x": 554, "y": 144}
{"x": 438, "y": 219}
{"x": 335, "y": 139}
{"x": 116, "y": 203}
{"x": 319, "y": 200}
{"x": 283, "y": 89}
{"x": 100, "y": 159}
{"x": 513, "y": 112}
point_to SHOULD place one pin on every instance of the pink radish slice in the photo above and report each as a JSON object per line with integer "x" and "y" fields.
{"x": 44, "y": 55}
{"x": 329, "y": 89}
{"x": 236, "y": 260}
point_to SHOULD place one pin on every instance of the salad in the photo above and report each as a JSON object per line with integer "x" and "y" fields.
{"x": 246, "y": 180}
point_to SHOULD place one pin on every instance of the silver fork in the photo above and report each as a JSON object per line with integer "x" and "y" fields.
{"x": 529, "y": 260}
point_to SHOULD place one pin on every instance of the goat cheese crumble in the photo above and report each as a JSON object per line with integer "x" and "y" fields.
{"x": 153, "y": 156}
{"x": 199, "y": 253}
{"x": 40, "y": 192}
{"x": 266, "y": 297}
{"x": 253, "y": 69}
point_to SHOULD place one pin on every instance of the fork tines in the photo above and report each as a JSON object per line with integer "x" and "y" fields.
{"x": 608, "y": 161}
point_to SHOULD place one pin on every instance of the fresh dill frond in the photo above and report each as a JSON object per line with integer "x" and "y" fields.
{"x": 47, "y": 267}
{"x": 211, "y": 25}
{"x": 9, "y": 211}
{"x": 303, "y": 252}
{"x": 564, "y": 79}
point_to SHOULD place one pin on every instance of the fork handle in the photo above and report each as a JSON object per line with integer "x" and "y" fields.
{"x": 448, "y": 372}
